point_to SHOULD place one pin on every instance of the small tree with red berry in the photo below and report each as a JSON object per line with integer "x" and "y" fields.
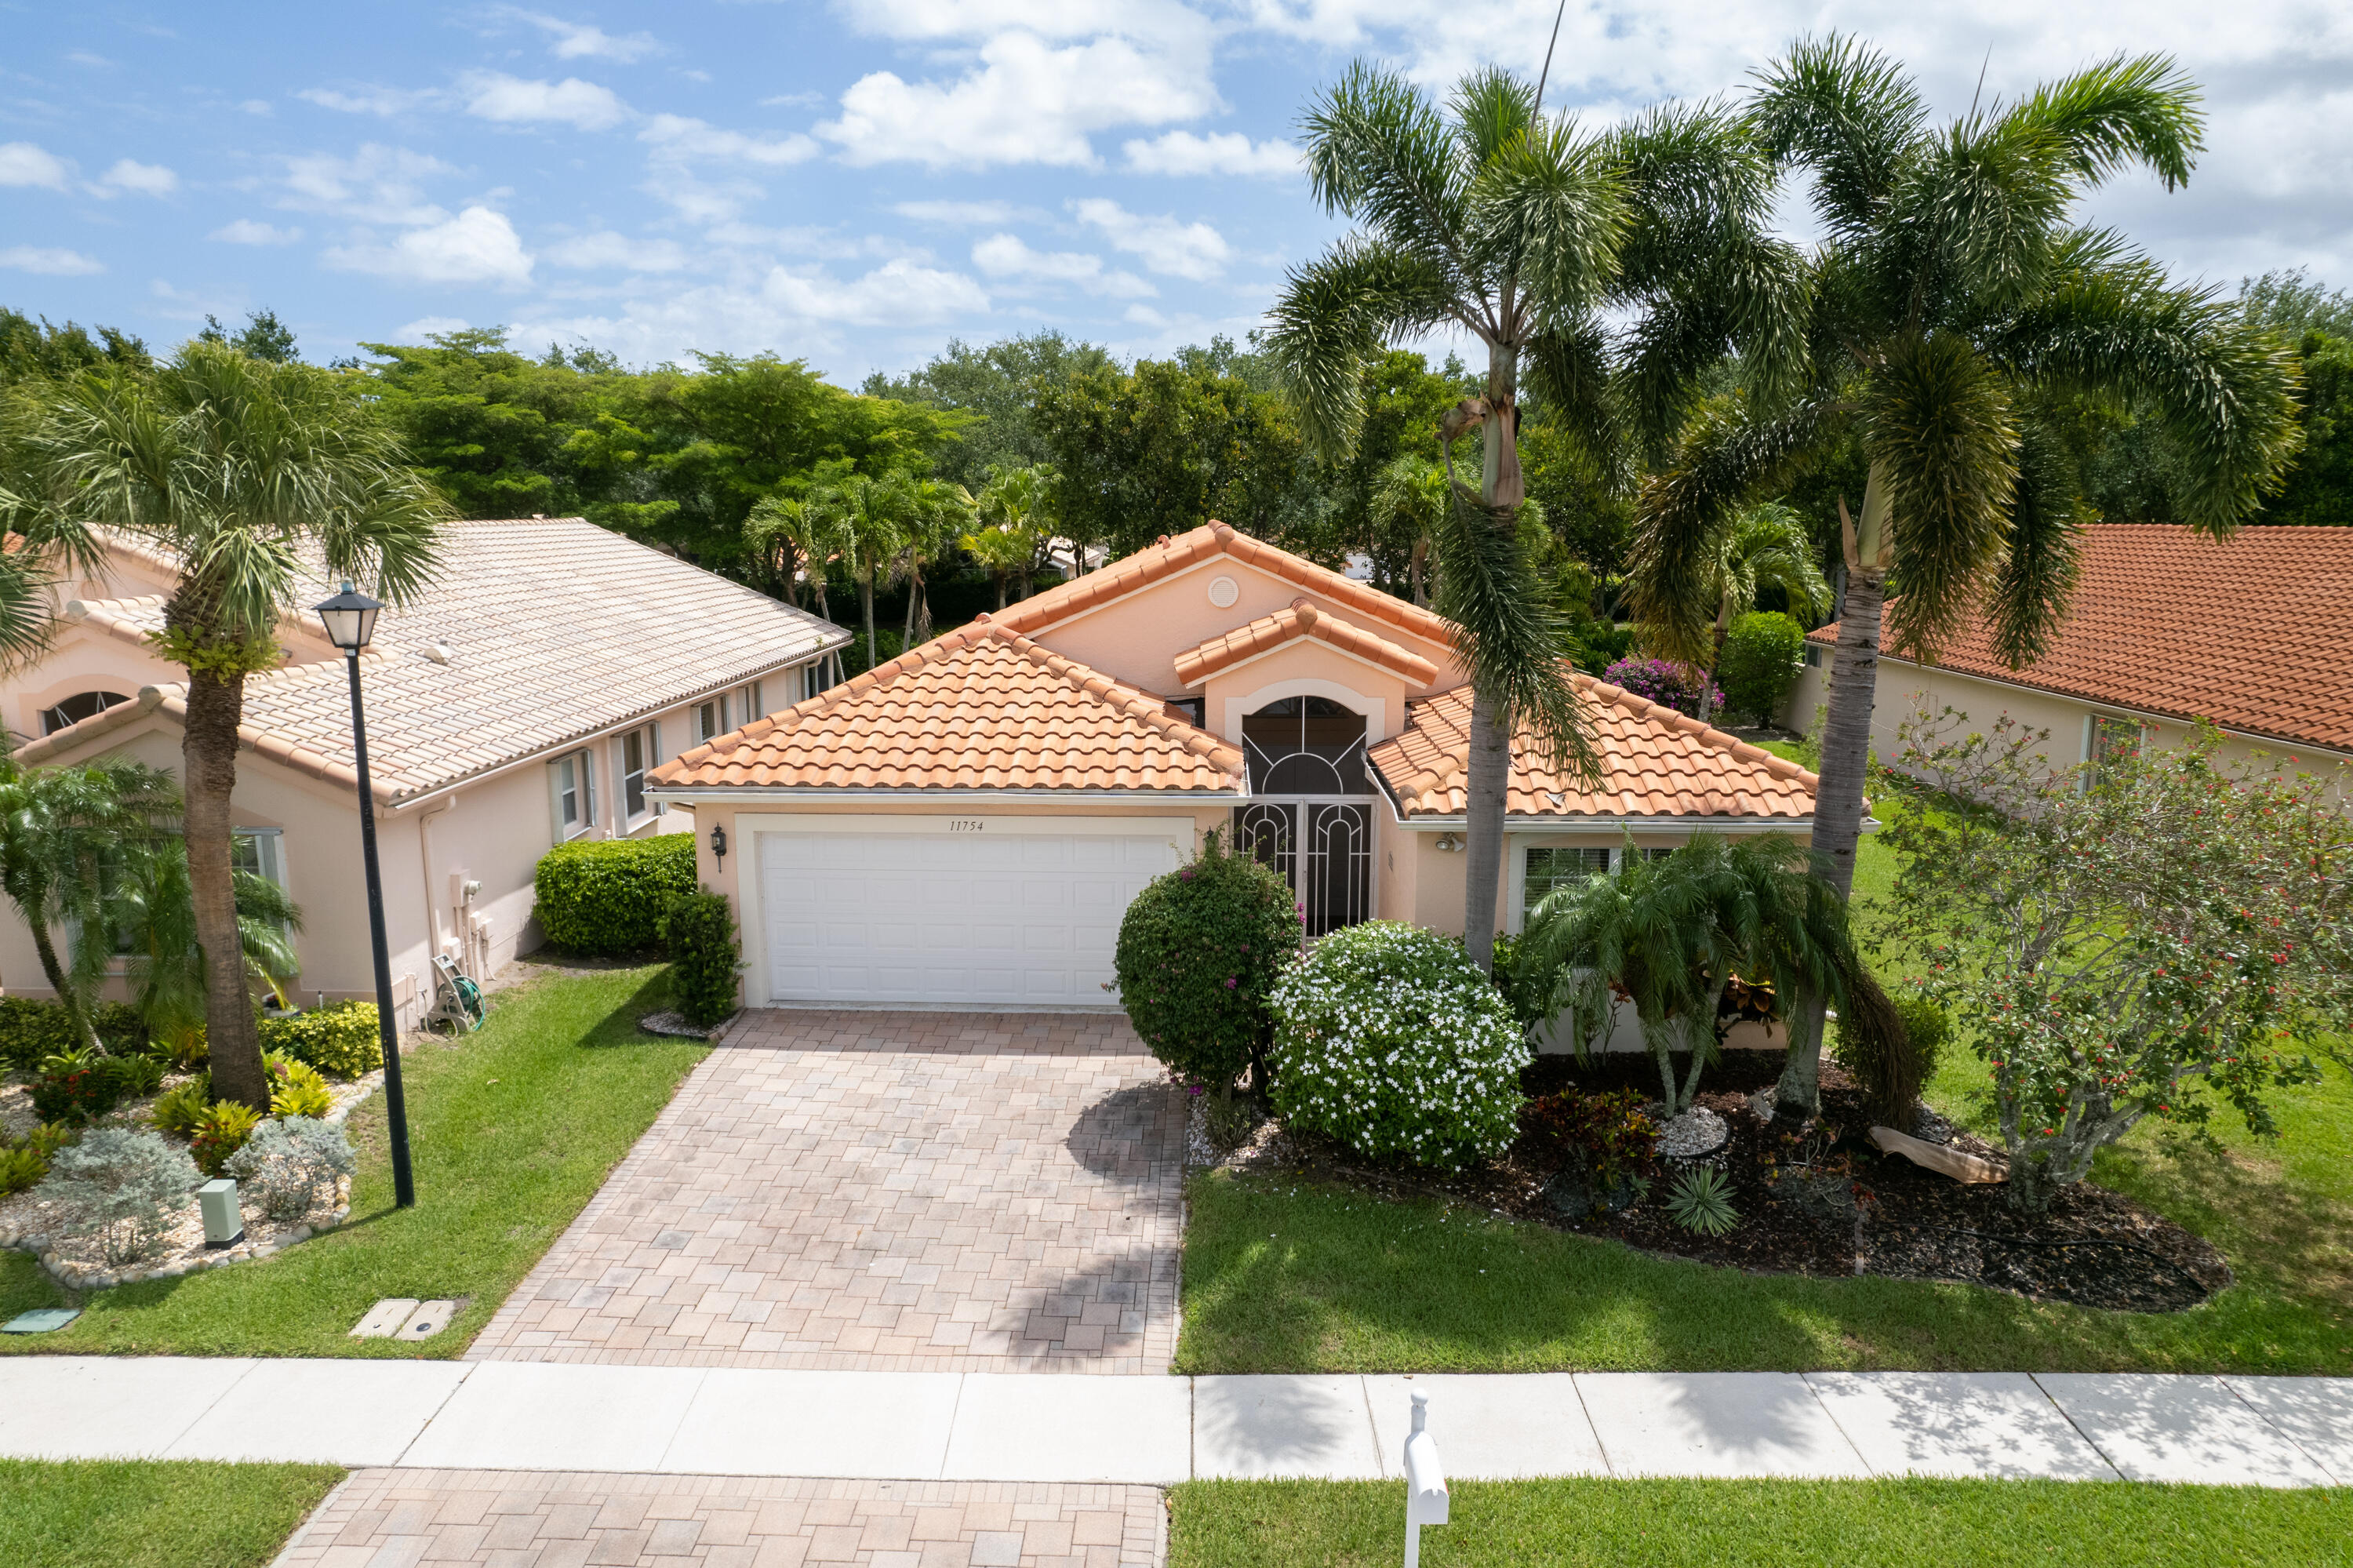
{"x": 2135, "y": 937}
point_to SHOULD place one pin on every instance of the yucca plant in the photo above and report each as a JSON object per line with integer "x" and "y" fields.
{"x": 1701, "y": 1201}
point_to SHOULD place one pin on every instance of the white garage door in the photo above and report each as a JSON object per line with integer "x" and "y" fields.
{"x": 996, "y": 916}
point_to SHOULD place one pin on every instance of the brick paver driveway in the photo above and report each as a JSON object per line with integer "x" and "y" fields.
{"x": 492, "y": 1519}
{"x": 883, "y": 1190}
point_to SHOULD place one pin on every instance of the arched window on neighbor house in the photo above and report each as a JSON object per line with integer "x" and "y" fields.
{"x": 78, "y": 707}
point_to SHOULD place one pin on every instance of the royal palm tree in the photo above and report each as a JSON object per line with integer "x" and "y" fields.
{"x": 797, "y": 534}
{"x": 1410, "y": 496}
{"x": 1492, "y": 219}
{"x": 869, "y": 517}
{"x": 259, "y": 479}
{"x": 61, "y": 830}
{"x": 939, "y": 513}
{"x": 1957, "y": 315}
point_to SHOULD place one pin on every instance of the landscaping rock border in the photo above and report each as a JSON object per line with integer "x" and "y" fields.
{"x": 673, "y": 1026}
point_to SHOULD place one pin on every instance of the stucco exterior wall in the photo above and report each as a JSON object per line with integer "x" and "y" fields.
{"x": 1307, "y": 668}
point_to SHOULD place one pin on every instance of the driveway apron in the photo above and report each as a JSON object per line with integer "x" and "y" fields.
{"x": 882, "y": 1192}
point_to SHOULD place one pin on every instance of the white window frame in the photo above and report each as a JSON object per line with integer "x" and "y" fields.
{"x": 583, "y": 766}
{"x": 1520, "y": 873}
{"x": 715, "y": 709}
{"x": 269, "y": 852}
{"x": 644, "y": 811}
{"x": 2092, "y": 722}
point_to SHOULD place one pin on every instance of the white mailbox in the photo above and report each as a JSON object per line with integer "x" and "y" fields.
{"x": 1425, "y": 1480}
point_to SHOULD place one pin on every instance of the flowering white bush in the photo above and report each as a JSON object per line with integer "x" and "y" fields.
{"x": 1389, "y": 1038}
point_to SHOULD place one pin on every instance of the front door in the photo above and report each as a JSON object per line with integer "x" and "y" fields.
{"x": 1311, "y": 819}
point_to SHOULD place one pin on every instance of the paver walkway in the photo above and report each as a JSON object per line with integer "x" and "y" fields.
{"x": 883, "y": 1190}
{"x": 489, "y": 1519}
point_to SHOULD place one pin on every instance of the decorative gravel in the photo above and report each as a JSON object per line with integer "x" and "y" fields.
{"x": 1695, "y": 1135}
{"x": 675, "y": 1026}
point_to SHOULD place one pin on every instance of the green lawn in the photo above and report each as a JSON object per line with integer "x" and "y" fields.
{"x": 513, "y": 1129}
{"x": 1768, "y": 1524}
{"x": 1289, "y": 1276}
{"x": 149, "y": 1514}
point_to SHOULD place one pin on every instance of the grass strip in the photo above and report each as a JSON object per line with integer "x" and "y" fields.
{"x": 134, "y": 1514}
{"x": 512, "y": 1130}
{"x": 1768, "y": 1524}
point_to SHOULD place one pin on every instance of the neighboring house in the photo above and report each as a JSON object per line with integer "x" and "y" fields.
{"x": 964, "y": 825}
{"x": 2165, "y": 627}
{"x": 521, "y": 702}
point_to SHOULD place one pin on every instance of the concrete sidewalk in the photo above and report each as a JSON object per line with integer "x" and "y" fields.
{"x": 1047, "y": 1427}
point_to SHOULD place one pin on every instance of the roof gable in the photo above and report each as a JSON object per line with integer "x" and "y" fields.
{"x": 2250, "y": 632}
{"x": 981, "y": 708}
{"x": 1301, "y": 620}
{"x": 1656, "y": 763}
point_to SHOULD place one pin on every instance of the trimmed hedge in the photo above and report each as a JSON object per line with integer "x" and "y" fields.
{"x": 1763, "y": 656}
{"x": 700, "y": 930}
{"x": 609, "y": 897}
{"x": 341, "y": 1038}
{"x": 32, "y": 1030}
{"x": 1199, "y": 951}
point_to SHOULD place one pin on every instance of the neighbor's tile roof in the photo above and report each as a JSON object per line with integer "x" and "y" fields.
{"x": 1656, "y": 763}
{"x": 2254, "y": 633}
{"x": 981, "y": 708}
{"x": 1297, "y": 621}
{"x": 556, "y": 629}
{"x": 1171, "y": 556}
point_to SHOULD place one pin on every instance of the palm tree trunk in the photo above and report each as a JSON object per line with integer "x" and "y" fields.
{"x": 1838, "y": 808}
{"x": 1413, "y": 571}
{"x": 208, "y": 759}
{"x": 1490, "y": 770}
{"x": 914, "y": 588}
{"x": 56, "y": 973}
{"x": 866, "y": 607}
{"x": 1000, "y": 591}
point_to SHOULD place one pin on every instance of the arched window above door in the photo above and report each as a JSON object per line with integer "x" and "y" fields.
{"x": 1305, "y": 746}
{"x": 78, "y": 707}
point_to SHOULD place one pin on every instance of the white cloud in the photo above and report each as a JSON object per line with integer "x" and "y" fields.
{"x": 51, "y": 262}
{"x": 699, "y": 200}
{"x": 608, "y": 250}
{"x": 1221, "y": 152}
{"x": 144, "y": 179}
{"x": 425, "y": 327}
{"x": 1192, "y": 250}
{"x": 379, "y": 100}
{"x": 256, "y": 106}
{"x": 477, "y": 246}
{"x": 23, "y": 163}
{"x": 247, "y": 231}
{"x": 681, "y": 138}
{"x": 581, "y": 40}
{"x": 1004, "y": 255}
{"x": 84, "y": 57}
{"x": 376, "y": 185}
{"x": 957, "y": 213}
{"x": 512, "y": 100}
{"x": 1029, "y": 99}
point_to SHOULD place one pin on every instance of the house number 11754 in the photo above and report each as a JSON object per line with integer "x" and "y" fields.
{"x": 963, "y": 825}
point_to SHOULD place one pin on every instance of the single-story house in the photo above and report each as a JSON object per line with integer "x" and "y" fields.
{"x": 523, "y": 701}
{"x": 2165, "y": 627}
{"x": 966, "y": 824}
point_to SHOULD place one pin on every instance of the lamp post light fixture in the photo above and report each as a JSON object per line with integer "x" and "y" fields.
{"x": 718, "y": 844}
{"x": 350, "y": 620}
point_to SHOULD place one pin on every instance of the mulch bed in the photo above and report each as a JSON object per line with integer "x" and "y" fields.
{"x": 1829, "y": 1202}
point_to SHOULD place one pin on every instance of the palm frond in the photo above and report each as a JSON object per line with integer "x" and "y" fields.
{"x": 1938, "y": 425}
{"x": 1847, "y": 112}
{"x": 1512, "y": 639}
{"x": 1492, "y": 111}
{"x": 1548, "y": 208}
{"x": 1565, "y": 369}
{"x": 2029, "y": 593}
{"x": 2126, "y": 109}
{"x": 1379, "y": 152}
{"x": 1971, "y": 218}
{"x": 1333, "y": 315}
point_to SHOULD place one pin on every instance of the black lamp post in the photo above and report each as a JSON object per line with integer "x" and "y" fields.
{"x": 350, "y": 620}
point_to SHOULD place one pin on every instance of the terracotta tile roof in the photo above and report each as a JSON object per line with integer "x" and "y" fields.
{"x": 2254, "y": 633}
{"x": 555, "y": 628}
{"x": 1174, "y": 555}
{"x": 1301, "y": 619}
{"x": 1658, "y": 762}
{"x": 981, "y": 708}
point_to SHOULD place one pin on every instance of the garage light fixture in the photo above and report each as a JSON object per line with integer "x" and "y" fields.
{"x": 718, "y": 843}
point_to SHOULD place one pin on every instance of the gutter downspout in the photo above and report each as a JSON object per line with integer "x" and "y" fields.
{"x": 432, "y": 909}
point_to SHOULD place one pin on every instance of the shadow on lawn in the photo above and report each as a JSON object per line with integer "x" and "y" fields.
{"x": 2271, "y": 1225}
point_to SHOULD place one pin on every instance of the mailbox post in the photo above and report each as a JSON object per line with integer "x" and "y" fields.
{"x": 1425, "y": 1482}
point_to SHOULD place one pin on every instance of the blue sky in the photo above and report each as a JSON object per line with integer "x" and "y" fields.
{"x": 855, "y": 183}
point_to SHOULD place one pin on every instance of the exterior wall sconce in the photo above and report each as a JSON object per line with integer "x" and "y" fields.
{"x": 718, "y": 843}
{"x": 1449, "y": 844}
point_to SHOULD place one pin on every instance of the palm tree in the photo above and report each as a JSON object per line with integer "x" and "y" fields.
{"x": 869, "y": 517}
{"x": 247, "y": 473}
{"x": 939, "y": 512}
{"x": 1956, "y": 318}
{"x": 802, "y": 534}
{"x": 1013, "y": 506}
{"x": 1767, "y": 543}
{"x": 60, "y": 829}
{"x": 153, "y": 917}
{"x": 1495, "y": 220}
{"x": 1411, "y": 495}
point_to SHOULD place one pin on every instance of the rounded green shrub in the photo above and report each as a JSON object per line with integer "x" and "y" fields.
{"x": 1888, "y": 1045}
{"x": 340, "y": 1039}
{"x": 1199, "y": 951}
{"x": 1387, "y": 1038}
{"x": 32, "y": 1030}
{"x": 608, "y": 896}
{"x": 705, "y": 959}
{"x": 1763, "y": 654}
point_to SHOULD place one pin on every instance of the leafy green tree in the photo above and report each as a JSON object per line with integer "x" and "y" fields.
{"x": 1760, "y": 663}
{"x": 242, "y": 470}
{"x": 1403, "y": 401}
{"x": 996, "y": 387}
{"x": 1490, "y": 218}
{"x": 1015, "y": 508}
{"x": 1163, "y": 448}
{"x": 60, "y": 829}
{"x": 938, "y": 514}
{"x": 1952, "y": 304}
{"x": 789, "y": 538}
{"x": 263, "y": 335}
{"x": 1767, "y": 545}
{"x": 31, "y": 350}
{"x": 1410, "y": 501}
